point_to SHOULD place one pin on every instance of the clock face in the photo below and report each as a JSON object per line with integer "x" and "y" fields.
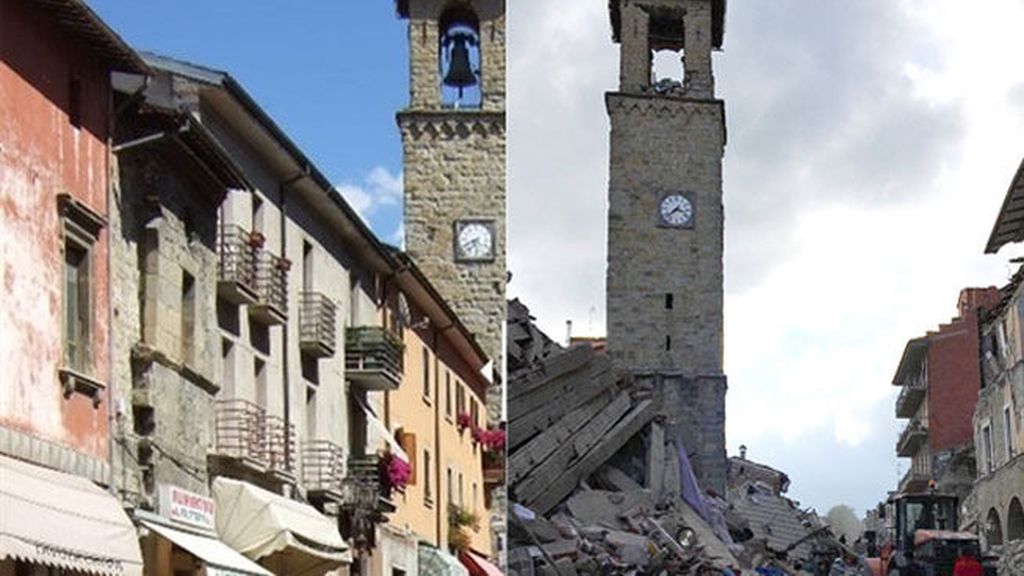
{"x": 474, "y": 240}
{"x": 676, "y": 211}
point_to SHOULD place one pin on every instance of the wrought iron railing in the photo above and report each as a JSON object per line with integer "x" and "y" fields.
{"x": 909, "y": 440}
{"x": 241, "y": 431}
{"x": 237, "y": 250}
{"x": 910, "y": 398}
{"x": 373, "y": 356}
{"x": 272, "y": 282}
{"x": 280, "y": 446}
{"x": 317, "y": 324}
{"x": 323, "y": 466}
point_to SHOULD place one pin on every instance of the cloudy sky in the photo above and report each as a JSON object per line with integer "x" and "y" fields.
{"x": 870, "y": 145}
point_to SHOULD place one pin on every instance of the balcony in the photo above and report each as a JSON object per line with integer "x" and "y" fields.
{"x": 364, "y": 475}
{"x": 323, "y": 469}
{"x": 236, "y": 268}
{"x": 281, "y": 448}
{"x": 494, "y": 468}
{"x": 271, "y": 306}
{"x": 909, "y": 400}
{"x": 373, "y": 358}
{"x": 241, "y": 433}
{"x": 914, "y": 481}
{"x": 913, "y": 436}
{"x": 317, "y": 325}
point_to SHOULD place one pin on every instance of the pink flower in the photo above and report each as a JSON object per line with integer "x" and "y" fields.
{"x": 399, "y": 472}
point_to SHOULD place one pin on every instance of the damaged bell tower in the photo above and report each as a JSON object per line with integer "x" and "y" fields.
{"x": 665, "y": 221}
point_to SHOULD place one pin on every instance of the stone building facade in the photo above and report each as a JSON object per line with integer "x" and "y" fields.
{"x": 454, "y": 166}
{"x": 665, "y": 219}
{"x": 997, "y": 500}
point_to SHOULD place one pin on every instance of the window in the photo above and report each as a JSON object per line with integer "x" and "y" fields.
{"x": 259, "y": 373}
{"x": 1008, "y": 431}
{"x": 307, "y": 266}
{"x": 461, "y": 501}
{"x": 451, "y": 487}
{"x": 474, "y": 412}
{"x": 81, "y": 228}
{"x": 669, "y": 301}
{"x": 473, "y": 504}
{"x": 460, "y": 399}
{"x": 428, "y": 497}
{"x": 188, "y": 315}
{"x": 77, "y": 306}
{"x": 986, "y": 440}
{"x": 448, "y": 393}
{"x": 1001, "y": 331}
{"x": 426, "y": 374}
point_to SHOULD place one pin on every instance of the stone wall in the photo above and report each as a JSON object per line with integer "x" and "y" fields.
{"x": 166, "y": 349}
{"x": 694, "y": 410}
{"x": 661, "y": 145}
{"x": 455, "y": 169}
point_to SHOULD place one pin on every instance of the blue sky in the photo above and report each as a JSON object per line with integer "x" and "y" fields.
{"x": 331, "y": 73}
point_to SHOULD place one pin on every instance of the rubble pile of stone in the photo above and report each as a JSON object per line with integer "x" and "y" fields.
{"x": 600, "y": 487}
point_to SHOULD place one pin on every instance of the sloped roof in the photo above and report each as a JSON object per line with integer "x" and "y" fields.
{"x": 774, "y": 519}
{"x": 1009, "y": 225}
{"x": 83, "y": 23}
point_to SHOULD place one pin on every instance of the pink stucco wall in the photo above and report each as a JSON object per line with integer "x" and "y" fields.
{"x": 41, "y": 156}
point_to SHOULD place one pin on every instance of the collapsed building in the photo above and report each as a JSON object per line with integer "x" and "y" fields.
{"x": 600, "y": 483}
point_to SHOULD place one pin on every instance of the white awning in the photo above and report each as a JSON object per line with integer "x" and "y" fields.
{"x": 57, "y": 519}
{"x": 216, "y": 554}
{"x": 285, "y": 535}
{"x": 437, "y": 562}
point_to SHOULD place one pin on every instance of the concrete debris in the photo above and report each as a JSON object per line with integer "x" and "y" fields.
{"x": 600, "y": 486}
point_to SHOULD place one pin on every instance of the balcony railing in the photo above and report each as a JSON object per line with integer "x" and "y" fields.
{"x": 911, "y": 395}
{"x": 323, "y": 467}
{"x": 373, "y": 358}
{"x": 914, "y": 481}
{"x": 271, "y": 306}
{"x": 493, "y": 467}
{"x": 317, "y": 324}
{"x": 281, "y": 447}
{"x": 236, "y": 269}
{"x": 241, "y": 432}
{"x": 911, "y": 439}
{"x": 364, "y": 477}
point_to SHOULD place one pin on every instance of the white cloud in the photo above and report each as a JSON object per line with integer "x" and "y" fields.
{"x": 378, "y": 189}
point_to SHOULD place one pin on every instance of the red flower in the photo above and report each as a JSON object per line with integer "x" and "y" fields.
{"x": 464, "y": 420}
{"x": 399, "y": 472}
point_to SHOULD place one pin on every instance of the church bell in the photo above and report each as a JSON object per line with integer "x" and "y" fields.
{"x": 460, "y": 73}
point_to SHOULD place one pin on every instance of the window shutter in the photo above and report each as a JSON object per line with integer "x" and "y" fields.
{"x": 408, "y": 443}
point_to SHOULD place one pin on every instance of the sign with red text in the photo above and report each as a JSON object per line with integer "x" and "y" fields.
{"x": 186, "y": 507}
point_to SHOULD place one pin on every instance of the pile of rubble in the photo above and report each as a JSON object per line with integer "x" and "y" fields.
{"x": 599, "y": 487}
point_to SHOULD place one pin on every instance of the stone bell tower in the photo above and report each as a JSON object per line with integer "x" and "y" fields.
{"x": 453, "y": 140}
{"x": 665, "y": 219}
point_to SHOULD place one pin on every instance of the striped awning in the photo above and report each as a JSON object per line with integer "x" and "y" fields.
{"x": 65, "y": 521}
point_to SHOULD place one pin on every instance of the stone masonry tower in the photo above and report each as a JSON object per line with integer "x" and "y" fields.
{"x": 453, "y": 139}
{"x": 665, "y": 220}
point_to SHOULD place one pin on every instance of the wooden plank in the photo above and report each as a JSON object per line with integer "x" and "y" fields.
{"x": 523, "y": 426}
{"x": 522, "y": 461}
{"x": 542, "y": 475}
{"x": 608, "y": 445}
{"x": 656, "y": 460}
{"x": 551, "y": 369}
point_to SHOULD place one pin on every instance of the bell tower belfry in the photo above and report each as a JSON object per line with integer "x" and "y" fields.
{"x": 665, "y": 219}
{"x": 453, "y": 142}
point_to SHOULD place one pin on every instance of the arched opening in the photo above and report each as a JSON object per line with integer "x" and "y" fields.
{"x": 1015, "y": 521}
{"x": 460, "y": 60}
{"x": 993, "y": 529}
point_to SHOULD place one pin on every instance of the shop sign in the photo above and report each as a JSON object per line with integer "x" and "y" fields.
{"x": 186, "y": 507}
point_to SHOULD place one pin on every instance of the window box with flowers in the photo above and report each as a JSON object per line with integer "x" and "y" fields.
{"x": 460, "y": 521}
{"x": 395, "y": 474}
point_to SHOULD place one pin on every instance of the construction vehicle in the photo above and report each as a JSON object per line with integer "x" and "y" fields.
{"x": 923, "y": 540}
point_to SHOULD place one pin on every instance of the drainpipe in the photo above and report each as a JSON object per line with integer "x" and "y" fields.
{"x": 283, "y": 245}
{"x": 113, "y": 407}
{"x": 441, "y": 510}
